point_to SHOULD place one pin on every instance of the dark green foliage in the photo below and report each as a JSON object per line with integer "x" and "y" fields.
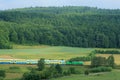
{"x": 2, "y": 73}
{"x": 67, "y": 73}
{"x": 61, "y": 26}
{"x": 98, "y": 61}
{"x": 102, "y": 61}
{"x": 31, "y": 76}
{"x": 52, "y": 72}
{"x": 111, "y": 61}
{"x": 59, "y": 69}
{"x": 80, "y": 58}
{"x": 83, "y": 58}
{"x": 86, "y": 72}
{"x": 41, "y": 64}
{"x": 72, "y": 70}
{"x": 45, "y": 74}
{"x": 101, "y": 69}
{"x": 4, "y": 40}
{"x": 107, "y": 51}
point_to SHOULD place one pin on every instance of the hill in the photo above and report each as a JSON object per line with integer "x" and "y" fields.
{"x": 61, "y": 26}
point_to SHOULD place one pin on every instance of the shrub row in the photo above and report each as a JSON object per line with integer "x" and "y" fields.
{"x": 107, "y": 51}
{"x": 81, "y": 58}
{"x": 101, "y": 69}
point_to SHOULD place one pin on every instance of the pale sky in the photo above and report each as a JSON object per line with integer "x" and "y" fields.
{"x": 108, "y": 4}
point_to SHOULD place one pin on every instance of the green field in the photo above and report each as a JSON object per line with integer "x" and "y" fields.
{"x": 16, "y": 72}
{"x": 47, "y": 52}
{"x": 52, "y": 52}
{"x": 114, "y": 75}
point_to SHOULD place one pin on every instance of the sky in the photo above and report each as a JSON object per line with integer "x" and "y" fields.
{"x": 11, "y": 4}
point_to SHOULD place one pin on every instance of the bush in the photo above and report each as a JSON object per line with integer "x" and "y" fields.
{"x": 101, "y": 69}
{"x": 86, "y": 72}
{"x": 59, "y": 69}
{"x": 14, "y": 67}
{"x": 88, "y": 58}
{"x": 72, "y": 70}
{"x": 31, "y": 76}
{"x": 2, "y": 73}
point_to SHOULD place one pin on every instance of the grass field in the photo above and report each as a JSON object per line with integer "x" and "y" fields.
{"x": 114, "y": 75}
{"x": 14, "y": 71}
{"x": 48, "y": 52}
{"x": 52, "y": 52}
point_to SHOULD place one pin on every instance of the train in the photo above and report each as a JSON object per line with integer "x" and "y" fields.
{"x": 34, "y": 61}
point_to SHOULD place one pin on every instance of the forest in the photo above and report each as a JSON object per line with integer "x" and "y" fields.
{"x": 60, "y": 26}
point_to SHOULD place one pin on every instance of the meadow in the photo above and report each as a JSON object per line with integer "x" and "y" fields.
{"x": 47, "y": 52}
{"x": 52, "y": 52}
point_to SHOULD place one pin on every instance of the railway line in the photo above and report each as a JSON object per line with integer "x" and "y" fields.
{"x": 35, "y": 61}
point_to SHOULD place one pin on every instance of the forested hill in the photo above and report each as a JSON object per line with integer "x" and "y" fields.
{"x": 61, "y": 26}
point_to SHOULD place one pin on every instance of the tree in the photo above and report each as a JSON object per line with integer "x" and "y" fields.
{"x": 59, "y": 69}
{"x": 102, "y": 40}
{"x": 41, "y": 64}
{"x": 53, "y": 72}
{"x": 4, "y": 41}
{"x": 111, "y": 61}
{"x": 13, "y": 36}
{"x": 98, "y": 61}
{"x": 46, "y": 26}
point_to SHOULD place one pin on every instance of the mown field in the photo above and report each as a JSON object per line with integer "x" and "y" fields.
{"x": 47, "y": 52}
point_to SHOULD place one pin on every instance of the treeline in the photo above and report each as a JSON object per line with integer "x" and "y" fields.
{"x": 107, "y": 52}
{"x": 61, "y": 26}
{"x": 84, "y": 58}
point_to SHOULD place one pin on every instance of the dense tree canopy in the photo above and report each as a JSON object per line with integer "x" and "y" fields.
{"x": 61, "y": 26}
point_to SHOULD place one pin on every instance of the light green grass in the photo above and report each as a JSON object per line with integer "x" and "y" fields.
{"x": 45, "y": 52}
{"x": 114, "y": 75}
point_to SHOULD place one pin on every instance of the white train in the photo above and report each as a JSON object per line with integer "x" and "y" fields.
{"x": 29, "y": 61}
